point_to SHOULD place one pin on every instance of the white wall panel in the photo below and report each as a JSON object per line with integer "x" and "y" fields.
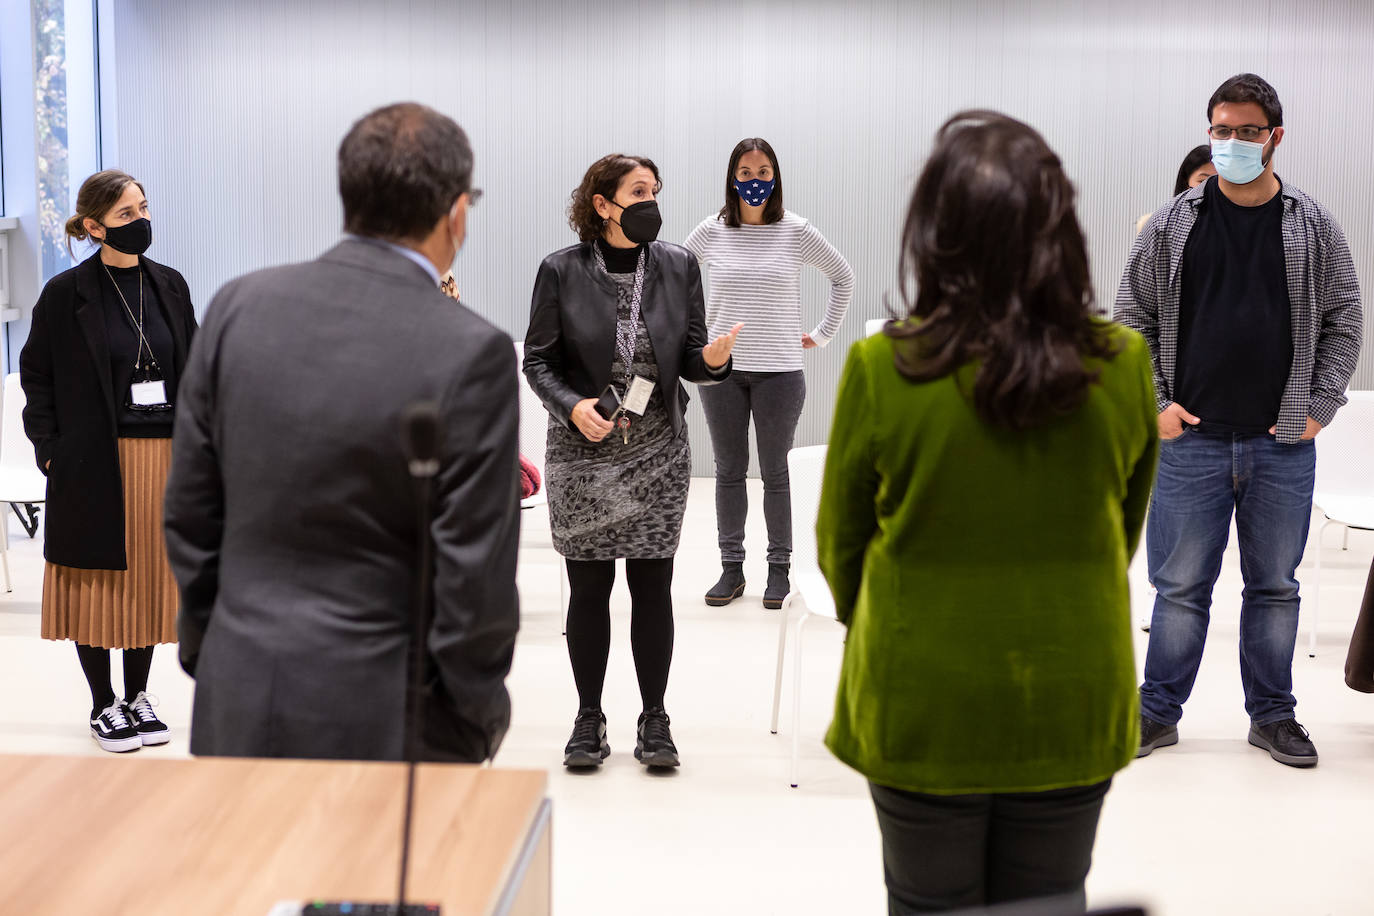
{"x": 232, "y": 113}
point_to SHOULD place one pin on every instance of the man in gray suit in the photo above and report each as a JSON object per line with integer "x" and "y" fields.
{"x": 290, "y": 512}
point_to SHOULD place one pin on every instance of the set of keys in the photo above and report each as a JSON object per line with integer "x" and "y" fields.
{"x": 624, "y": 425}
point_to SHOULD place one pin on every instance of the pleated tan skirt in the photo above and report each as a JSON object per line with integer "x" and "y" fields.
{"x": 116, "y": 608}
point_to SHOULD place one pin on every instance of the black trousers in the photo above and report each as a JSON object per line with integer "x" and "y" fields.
{"x": 651, "y": 626}
{"x": 949, "y": 852}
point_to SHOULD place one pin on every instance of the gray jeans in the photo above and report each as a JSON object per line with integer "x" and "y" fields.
{"x": 775, "y": 399}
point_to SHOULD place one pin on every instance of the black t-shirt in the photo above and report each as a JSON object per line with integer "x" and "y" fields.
{"x": 1235, "y": 331}
{"x": 122, "y": 331}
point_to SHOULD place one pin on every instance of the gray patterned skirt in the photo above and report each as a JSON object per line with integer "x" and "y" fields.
{"x": 609, "y": 500}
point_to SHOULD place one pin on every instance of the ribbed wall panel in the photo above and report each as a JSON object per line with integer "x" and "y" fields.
{"x": 232, "y": 113}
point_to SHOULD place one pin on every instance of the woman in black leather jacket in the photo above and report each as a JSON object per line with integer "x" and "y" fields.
{"x": 617, "y": 321}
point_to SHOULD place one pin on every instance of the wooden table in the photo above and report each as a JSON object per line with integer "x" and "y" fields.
{"x": 220, "y": 836}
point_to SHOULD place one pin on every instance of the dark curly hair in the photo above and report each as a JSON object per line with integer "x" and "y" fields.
{"x": 603, "y": 177}
{"x": 1000, "y": 274}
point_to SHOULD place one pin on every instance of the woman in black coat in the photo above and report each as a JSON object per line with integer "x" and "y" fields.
{"x": 107, "y": 344}
{"x": 616, "y": 322}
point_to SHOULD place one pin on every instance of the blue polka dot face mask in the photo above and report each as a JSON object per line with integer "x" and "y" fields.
{"x": 754, "y": 192}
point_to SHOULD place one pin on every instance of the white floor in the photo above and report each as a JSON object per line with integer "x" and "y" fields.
{"x": 1211, "y": 826}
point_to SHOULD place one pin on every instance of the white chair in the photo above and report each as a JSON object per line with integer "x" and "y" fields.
{"x": 810, "y": 592}
{"x": 874, "y": 326}
{"x": 1344, "y": 490}
{"x": 20, "y": 480}
{"x": 534, "y": 434}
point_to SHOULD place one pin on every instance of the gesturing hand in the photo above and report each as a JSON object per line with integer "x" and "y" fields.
{"x": 590, "y": 423}
{"x": 717, "y": 352}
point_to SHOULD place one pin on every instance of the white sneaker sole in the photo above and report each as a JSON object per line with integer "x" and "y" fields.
{"x": 118, "y": 745}
{"x": 161, "y": 737}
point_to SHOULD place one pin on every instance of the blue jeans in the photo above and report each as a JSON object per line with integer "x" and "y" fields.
{"x": 1201, "y": 480}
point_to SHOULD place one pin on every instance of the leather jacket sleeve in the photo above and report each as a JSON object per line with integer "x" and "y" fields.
{"x": 694, "y": 368}
{"x": 543, "y": 364}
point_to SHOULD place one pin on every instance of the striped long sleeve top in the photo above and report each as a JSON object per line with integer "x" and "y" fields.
{"x": 754, "y": 274}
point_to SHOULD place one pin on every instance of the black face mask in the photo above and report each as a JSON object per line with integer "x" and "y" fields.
{"x": 130, "y": 238}
{"x": 640, "y": 222}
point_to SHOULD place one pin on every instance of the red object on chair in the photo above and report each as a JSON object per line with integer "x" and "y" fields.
{"x": 529, "y": 478}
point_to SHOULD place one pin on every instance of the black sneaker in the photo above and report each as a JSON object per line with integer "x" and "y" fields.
{"x": 587, "y": 747}
{"x": 654, "y": 746}
{"x": 151, "y": 729}
{"x": 778, "y": 586}
{"x": 729, "y": 587}
{"x": 112, "y": 730}
{"x": 1155, "y": 734}
{"x": 1286, "y": 741}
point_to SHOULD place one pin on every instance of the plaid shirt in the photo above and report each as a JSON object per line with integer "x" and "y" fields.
{"x": 1323, "y": 297}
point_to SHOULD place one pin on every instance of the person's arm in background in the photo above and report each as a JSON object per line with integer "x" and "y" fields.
{"x": 193, "y": 511}
{"x": 847, "y": 517}
{"x": 1341, "y": 329}
{"x": 1136, "y": 503}
{"x": 476, "y": 535}
{"x": 1137, "y": 299}
{"x": 819, "y": 253}
{"x": 36, "y": 378}
{"x": 544, "y": 348}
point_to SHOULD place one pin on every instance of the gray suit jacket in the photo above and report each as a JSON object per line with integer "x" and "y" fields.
{"x": 290, "y": 513}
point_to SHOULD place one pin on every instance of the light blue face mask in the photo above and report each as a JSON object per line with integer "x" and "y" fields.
{"x": 1238, "y": 161}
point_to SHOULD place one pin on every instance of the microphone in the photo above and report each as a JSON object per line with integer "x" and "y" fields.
{"x": 420, "y": 438}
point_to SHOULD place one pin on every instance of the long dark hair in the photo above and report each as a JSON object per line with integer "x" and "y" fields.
{"x": 772, "y": 208}
{"x": 1000, "y": 274}
{"x": 603, "y": 177}
{"x": 1197, "y": 157}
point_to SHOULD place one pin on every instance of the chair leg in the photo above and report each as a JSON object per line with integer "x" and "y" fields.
{"x": 796, "y": 694}
{"x": 1345, "y": 537}
{"x": 782, "y": 647}
{"x": 5, "y": 554}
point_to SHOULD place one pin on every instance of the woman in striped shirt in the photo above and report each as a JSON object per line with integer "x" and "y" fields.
{"x": 755, "y": 251}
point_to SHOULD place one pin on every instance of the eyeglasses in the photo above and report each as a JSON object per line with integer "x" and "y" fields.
{"x": 1249, "y": 132}
{"x": 474, "y": 195}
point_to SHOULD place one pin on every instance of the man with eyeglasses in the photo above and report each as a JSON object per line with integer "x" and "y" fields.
{"x": 1246, "y": 292}
{"x": 290, "y": 509}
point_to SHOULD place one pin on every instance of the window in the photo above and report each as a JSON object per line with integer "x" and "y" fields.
{"x": 66, "y": 117}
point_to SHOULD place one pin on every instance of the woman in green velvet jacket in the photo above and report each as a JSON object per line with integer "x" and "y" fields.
{"x": 988, "y": 473}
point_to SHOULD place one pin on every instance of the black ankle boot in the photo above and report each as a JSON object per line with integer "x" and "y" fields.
{"x": 778, "y": 586}
{"x": 730, "y": 586}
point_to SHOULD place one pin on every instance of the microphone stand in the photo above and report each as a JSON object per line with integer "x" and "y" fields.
{"x": 420, "y": 432}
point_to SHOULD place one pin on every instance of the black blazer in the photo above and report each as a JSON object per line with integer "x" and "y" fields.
{"x": 571, "y": 340}
{"x": 64, "y": 369}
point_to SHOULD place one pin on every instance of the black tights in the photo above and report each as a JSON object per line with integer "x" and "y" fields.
{"x": 651, "y": 625}
{"x": 95, "y": 663}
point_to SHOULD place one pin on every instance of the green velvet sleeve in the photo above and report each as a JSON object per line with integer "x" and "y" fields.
{"x": 847, "y": 518}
